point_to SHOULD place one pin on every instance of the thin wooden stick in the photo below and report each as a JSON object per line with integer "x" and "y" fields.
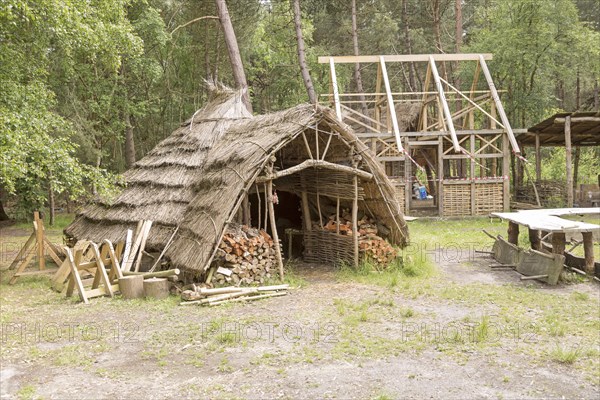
{"x": 274, "y": 228}
{"x": 164, "y": 250}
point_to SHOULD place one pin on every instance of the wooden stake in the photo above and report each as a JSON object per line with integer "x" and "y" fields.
{"x": 355, "y": 221}
{"x": 39, "y": 234}
{"x": 569, "y": 163}
{"x": 513, "y": 233}
{"x": 274, "y": 228}
{"x": 588, "y": 251}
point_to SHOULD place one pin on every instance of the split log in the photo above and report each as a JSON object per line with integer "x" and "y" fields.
{"x": 132, "y": 286}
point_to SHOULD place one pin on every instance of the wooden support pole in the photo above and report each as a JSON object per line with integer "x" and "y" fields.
{"x": 513, "y": 233}
{"x": 440, "y": 176}
{"x": 505, "y": 173}
{"x": 569, "y": 163}
{"x": 274, "y": 227}
{"x": 534, "y": 239}
{"x": 538, "y": 158}
{"x": 355, "y": 221}
{"x": 588, "y": 251}
{"x": 39, "y": 238}
{"x": 472, "y": 175}
{"x": 558, "y": 242}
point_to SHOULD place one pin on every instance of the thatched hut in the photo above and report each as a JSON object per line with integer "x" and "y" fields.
{"x": 217, "y": 167}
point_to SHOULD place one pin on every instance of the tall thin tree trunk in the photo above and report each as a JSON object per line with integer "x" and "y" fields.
{"x": 408, "y": 44}
{"x": 596, "y": 97}
{"x": 129, "y": 142}
{"x": 357, "y": 74}
{"x": 458, "y": 45}
{"x": 577, "y": 91}
{"x": 310, "y": 89}
{"x": 239, "y": 76}
{"x": 437, "y": 33}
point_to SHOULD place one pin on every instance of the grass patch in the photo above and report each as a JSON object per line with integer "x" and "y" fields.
{"x": 407, "y": 268}
{"x": 564, "y": 355}
{"x": 27, "y": 392}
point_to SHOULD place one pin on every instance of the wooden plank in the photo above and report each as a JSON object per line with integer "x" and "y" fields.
{"x": 102, "y": 291}
{"x": 499, "y": 107}
{"x": 101, "y": 271}
{"x": 51, "y": 252}
{"x": 23, "y": 252}
{"x": 115, "y": 270}
{"x": 336, "y": 92}
{"x": 128, "y": 244}
{"x": 537, "y": 265}
{"x": 568, "y": 150}
{"x": 38, "y": 226}
{"x": 145, "y": 234}
{"x": 22, "y": 266}
{"x": 405, "y": 58}
{"x": 390, "y": 101}
{"x": 128, "y": 263}
{"x": 277, "y": 245}
{"x": 444, "y": 103}
{"x": 75, "y": 276}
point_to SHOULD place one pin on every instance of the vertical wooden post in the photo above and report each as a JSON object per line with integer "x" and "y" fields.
{"x": 274, "y": 227}
{"x": 307, "y": 220}
{"x": 505, "y": 173}
{"x": 558, "y": 242}
{"x": 576, "y": 168}
{"x": 538, "y": 158}
{"x": 407, "y": 178}
{"x": 569, "y": 164}
{"x": 472, "y": 173}
{"x": 440, "y": 176}
{"x": 588, "y": 251}
{"x": 513, "y": 233}
{"x": 535, "y": 239}
{"x": 39, "y": 238}
{"x": 355, "y": 221}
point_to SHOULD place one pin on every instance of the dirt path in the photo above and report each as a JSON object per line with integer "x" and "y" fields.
{"x": 422, "y": 338}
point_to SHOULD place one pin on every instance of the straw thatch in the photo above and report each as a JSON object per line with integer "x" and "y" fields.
{"x": 197, "y": 177}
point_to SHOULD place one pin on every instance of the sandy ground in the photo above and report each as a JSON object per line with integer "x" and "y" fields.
{"x": 326, "y": 339}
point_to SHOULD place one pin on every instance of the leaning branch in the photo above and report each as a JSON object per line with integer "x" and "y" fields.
{"x": 192, "y": 21}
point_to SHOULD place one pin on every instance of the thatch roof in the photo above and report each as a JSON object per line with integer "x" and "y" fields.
{"x": 196, "y": 178}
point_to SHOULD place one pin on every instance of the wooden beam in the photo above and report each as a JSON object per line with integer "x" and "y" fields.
{"x": 336, "y": 92}
{"x": 577, "y": 119}
{"x": 391, "y": 107}
{"x": 569, "y": 165}
{"x": 445, "y": 108}
{"x": 274, "y": 228}
{"x": 315, "y": 164}
{"x": 499, "y": 106}
{"x": 355, "y": 222}
{"x": 405, "y": 58}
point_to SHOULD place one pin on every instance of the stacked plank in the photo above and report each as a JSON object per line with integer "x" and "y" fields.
{"x": 370, "y": 244}
{"x": 212, "y": 297}
{"x": 246, "y": 256}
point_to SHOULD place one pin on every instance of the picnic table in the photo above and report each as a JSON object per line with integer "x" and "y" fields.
{"x": 550, "y": 221}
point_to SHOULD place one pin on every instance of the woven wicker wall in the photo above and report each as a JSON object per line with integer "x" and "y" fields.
{"x": 457, "y": 200}
{"x": 399, "y": 188}
{"x": 488, "y": 198}
{"x": 327, "y": 247}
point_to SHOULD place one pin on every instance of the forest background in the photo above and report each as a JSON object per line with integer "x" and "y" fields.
{"x": 89, "y": 86}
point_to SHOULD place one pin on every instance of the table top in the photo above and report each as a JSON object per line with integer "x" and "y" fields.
{"x": 549, "y": 219}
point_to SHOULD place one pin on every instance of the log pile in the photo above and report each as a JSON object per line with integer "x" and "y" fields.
{"x": 370, "y": 244}
{"x": 246, "y": 256}
{"x": 213, "y": 297}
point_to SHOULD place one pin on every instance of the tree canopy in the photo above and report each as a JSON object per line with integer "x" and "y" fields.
{"x": 88, "y": 86}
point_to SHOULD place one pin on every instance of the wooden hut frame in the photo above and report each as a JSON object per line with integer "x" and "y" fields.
{"x": 198, "y": 181}
{"x": 444, "y": 132}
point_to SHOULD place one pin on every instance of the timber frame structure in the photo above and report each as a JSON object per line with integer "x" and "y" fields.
{"x": 461, "y": 139}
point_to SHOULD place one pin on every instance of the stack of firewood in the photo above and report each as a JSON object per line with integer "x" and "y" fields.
{"x": 370, "y": 244}
{"x": 246, "y": 256}
{"x": 212, "y": 297}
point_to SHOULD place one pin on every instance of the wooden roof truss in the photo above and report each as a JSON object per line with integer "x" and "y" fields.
{"x": 438, "y": 97}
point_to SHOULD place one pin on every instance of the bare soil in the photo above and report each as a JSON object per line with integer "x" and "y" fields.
{"x": 419, "y": 338}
